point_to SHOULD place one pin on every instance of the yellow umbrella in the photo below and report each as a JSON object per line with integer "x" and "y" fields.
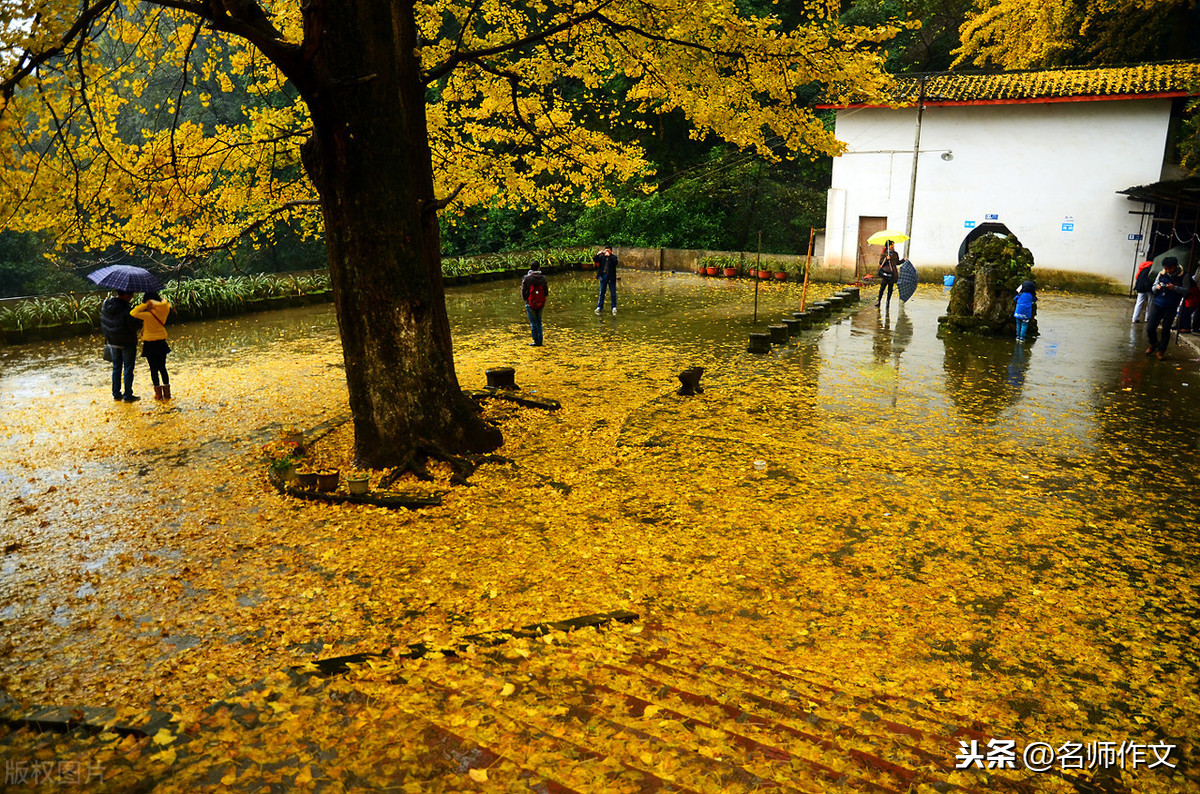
{"x": 879, "y": 238}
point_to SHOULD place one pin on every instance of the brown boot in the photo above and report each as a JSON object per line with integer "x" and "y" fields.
{"x": 167, "y": 392}
{"x": 158, "y": 392}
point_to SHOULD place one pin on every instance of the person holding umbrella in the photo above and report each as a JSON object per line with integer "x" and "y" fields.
{"x": 120, "y": 331}
{"x": 889, "y": 270}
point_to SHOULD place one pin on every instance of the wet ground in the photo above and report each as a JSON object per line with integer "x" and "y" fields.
{"x": 965, "y": 514}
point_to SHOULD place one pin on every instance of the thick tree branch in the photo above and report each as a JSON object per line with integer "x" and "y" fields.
{"x": 459, "y": 56}
{"x": 434, "y": 205}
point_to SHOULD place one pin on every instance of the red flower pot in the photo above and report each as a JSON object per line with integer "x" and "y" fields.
{"x": 730, "y": 272}
{"x": 764, "y": 274}
{"x": 780, "y": 275}
{"x": 712, "y": 271}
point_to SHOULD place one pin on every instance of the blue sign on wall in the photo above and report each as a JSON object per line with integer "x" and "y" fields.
{"x": 1135, "y": 237}
{"x": 968, "y": 224}
{"x": 991, "y": 217}
{"x": 1068, "y": 227}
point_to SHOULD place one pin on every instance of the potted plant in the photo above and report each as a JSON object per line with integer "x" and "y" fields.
{"x": 306, "y": 478}
{"x": 763, "y": 272}
{"x": 780, "y": 269}
{"x": 358, "y": 482}
{"x": 284, "y": 469}
{"x": 731, "y": 267}
{"x": 327, "y": 479}
{"x": 285, "y": 458}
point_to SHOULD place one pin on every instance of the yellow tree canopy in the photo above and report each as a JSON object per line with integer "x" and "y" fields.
{"x": 1025, "y": 34}
{"x": 163, "y": 124}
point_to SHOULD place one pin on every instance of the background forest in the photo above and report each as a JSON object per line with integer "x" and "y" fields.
{"x": 702, "y": 193}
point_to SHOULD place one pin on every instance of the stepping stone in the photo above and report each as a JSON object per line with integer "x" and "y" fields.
{"x": 759, "y": 343}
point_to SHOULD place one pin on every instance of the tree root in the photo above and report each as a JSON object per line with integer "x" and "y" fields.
{"x": 463, "y": 465}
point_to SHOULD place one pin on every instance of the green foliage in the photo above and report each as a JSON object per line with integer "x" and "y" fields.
{"x": 24, "y": 269}
{"x": 928, "y": 48}
{"x": 1012, "y": 262}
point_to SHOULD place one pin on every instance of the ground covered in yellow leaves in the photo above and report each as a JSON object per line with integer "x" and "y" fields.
{"x": 1001, "y": 533}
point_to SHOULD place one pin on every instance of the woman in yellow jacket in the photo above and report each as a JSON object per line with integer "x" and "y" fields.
{"x": 153, "y": 313}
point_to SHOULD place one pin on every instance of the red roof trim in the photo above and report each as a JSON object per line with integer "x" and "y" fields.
{"x": 1021, "y": 101}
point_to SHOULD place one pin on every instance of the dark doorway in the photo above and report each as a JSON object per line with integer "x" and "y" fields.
{"x": 979, "y": 231}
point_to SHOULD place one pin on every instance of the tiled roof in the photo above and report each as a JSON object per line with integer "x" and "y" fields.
{"x": 1176, "y": 78}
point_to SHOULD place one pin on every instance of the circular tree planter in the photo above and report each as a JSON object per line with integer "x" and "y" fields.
{"x": 759, "y": 342}
{"x": 501, "y": 378}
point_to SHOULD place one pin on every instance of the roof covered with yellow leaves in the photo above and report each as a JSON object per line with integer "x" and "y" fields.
{"x": 1179, "y": 78}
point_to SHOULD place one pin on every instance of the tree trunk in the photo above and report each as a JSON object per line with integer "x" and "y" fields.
{"x": 369, "y": 159}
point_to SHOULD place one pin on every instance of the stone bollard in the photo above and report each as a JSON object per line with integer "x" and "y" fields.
{"x": 759, "y": 343}
{"x": 805, "y": 320}
{"x": 818, "y": 311}
{"x": 690, "y": 378}
{"x": 793, "y": 326}
{"x": 855, "y": 294}
{"x": 779, "y": 334}
{"x": 502, "y": 378}
{"x": 836, "y": 304}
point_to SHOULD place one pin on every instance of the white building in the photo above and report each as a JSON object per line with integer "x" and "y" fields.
{"x": 1039, "y": 154}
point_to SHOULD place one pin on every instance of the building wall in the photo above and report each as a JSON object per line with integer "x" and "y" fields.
{"x": 1049, "y": 172}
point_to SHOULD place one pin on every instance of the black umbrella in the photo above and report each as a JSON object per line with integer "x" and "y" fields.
{"x": 906, "y": 281}
{"x": 126, "y": 278}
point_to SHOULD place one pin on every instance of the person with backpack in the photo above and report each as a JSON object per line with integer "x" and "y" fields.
{"x": 1141, "y": 285}
{"x": 534, "y": 290}
{"x": 1191, "y": 302}
{"x": 1025, "y": 308}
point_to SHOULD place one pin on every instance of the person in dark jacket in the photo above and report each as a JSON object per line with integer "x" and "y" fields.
{"x": 1168, "y": 290}
{"x": 606, "y": 271}
{"x": 534, "y": 290}
{"x": 889, "y": 271}
{"x": 121, "y": 335}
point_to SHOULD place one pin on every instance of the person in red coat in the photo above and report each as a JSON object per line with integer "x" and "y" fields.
{"x": 1141, "y": 285}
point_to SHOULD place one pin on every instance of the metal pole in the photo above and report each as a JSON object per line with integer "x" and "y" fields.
{"x": 807, "y": 259}
{"x": 912, "y": 187}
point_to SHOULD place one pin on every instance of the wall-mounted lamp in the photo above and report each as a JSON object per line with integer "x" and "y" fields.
{"x": 947, "y": 156}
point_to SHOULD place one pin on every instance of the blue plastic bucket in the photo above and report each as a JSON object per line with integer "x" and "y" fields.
{"x": 948, "y": 281}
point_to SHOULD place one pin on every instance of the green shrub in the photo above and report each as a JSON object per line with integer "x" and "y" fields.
{"x": 1012, "y": 262}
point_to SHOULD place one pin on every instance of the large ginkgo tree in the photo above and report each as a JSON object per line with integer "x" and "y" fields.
{"x": 177, "y": 126}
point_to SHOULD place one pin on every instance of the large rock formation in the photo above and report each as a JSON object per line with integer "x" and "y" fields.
{"x": 985, "y": 283}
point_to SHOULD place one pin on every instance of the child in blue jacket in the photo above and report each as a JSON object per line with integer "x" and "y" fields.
{"x": 1026, "y": 307}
